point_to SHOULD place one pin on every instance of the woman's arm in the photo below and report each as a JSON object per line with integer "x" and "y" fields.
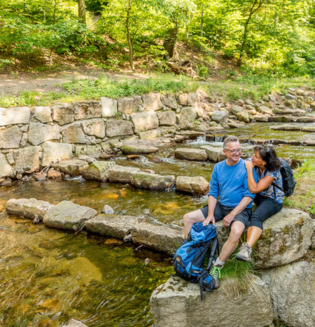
{"x": 252, "y": 185}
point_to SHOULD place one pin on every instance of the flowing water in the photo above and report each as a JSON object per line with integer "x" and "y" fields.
{"x": 49, "y": 276}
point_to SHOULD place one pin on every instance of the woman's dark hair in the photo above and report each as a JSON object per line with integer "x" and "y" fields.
{"x": 269, "y": 155}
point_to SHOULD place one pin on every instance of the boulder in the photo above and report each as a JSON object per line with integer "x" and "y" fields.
{"x": 159, "y": 237}
{"x": 291, "y": 289}
{"x": 27, "y": 159}
{"x": 121, "y": 174}
{"x": 10, "y": 116}
{"x": 186, "y": 117}
{"x": 152, "y": 134}
{"x": 74, "y": 323}
{"x": 262, "y": 118}
{"x": 219, "y": 116}
{"x": 55, "y": 151}
{"x": 87, "y": 110}
{"x": 236, "y": 109}
{"x": 109, "y": 107}
{"x": 144, "y": 121}
{"x": 54, "y": 174}
{"x": 94, "y": 127}
{"x": 243, "y": 116}
{"x": 307, "y": 119}
{"x": 63, "y": 114}
{"x": 308, "y": 129}
{"x": 118, "y": 128}
{"x": 73, "y": 133}
{"x": 281, "y": 119}
{"x": 97, "y": 170}
{"x": 177, "y": 303}
{"x": 28, "y": 208}
{"x": 10, "y": 138}
{"x": 192, "y": 99}
{"x": 87, "y": 149}
{"x": 167, "y": 118}
{"x": 183, "y": 99}
{"x": 264, "y": 110}
{"x": 5, "y": 168}
{"x": 42, "y": 114}
{"x": 169, "y": 100}
{"x": 286, "y": 238}
{"x": 138, "y": 149}
{"x": 68, "y": 216}
{"x": 39, "y": 133}
{"x": 152, "y": 102}
{"x": 112, "y": 225}
{"x": 194, "y": 185}
{"x": 107, "y": 209}
{"x": 72, "y": 167}
{"x": 214, "y": 153}
{"x": 129, "y": 105}
{"x": 191, "y": 154}
{"x": 152, "y": 181}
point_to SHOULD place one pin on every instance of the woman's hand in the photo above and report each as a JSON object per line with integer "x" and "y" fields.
{"x": 249, "y": 165}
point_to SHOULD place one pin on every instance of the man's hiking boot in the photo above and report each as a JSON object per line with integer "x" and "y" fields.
{"x": 245, "y": 253}
{"x": 216, "y": 275}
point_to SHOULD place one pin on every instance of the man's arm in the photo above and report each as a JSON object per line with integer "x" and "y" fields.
{"x": 213, "y": 197}
{"x": 212, "y": 202}
{"x": 238, "y": 209}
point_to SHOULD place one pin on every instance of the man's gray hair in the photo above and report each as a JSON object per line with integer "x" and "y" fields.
{"x": 230, "y": 138}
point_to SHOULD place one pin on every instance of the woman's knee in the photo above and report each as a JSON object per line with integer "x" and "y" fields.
{"x": 255, "y": 222}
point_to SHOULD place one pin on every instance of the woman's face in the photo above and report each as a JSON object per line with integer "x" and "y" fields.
{"x": 257, "y": 160}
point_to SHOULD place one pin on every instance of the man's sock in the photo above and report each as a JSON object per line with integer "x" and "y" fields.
{"x": 219, "y": 263}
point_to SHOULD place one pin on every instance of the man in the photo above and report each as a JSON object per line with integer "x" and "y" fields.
{"x": 229, "y": 182}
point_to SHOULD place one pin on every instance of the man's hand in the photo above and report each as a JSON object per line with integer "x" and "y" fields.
{"x": 209, "y": 220}
{"x": 228, "y": 219}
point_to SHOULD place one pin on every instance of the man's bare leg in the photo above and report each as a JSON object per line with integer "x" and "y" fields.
{"x": 190, "y": 218}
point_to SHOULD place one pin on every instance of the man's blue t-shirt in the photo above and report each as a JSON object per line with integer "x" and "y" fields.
{"x": 230, "y": 183}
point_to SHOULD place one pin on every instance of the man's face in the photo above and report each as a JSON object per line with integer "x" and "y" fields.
{"x": 233, "y": 152}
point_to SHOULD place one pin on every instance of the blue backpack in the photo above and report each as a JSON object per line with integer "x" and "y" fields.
{"x": 190, "y": 256}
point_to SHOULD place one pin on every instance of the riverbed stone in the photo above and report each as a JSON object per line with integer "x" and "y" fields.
{"x": 286, "y": 238}
{"x": 11, "y": 116}
{"x": 308, "y": 129}
{"x": 264, "y": 110}
{"x": 42, "y": 114}
{"x": 5, "y": 168}
{"x": 243, "y": 116}
{"x": 28, "y": 208}
{"x": 177, "y": 303}
{"x": 73, "y": 133}
{"x": 116, "y": 226}
{"x": 138, "y": 149}
{"x": 128, "y": 105}
{"x": 68, "y": 216}
{"x": 186, "y": 117}
{"x": 54, "y": 174}
{"x": 121, "y": 174}
{"x": 75, "y": 323}
{"x": 152, "y": 102}
{"x": 63, "y": 114}
{"x": 292, "y": 293}
{"x": 10, "y": 137}
{"x": 195, "y": 185}
{"x": 183, "y": 99}
{"x": 27, "y": 159}
{"x": 55, "y": 151}
{"x": 167, "y": 118}
{"x": 87, "y": 149}
{"x": 191, "y": 154}
{"x": 214, "y": 153}
{"x": 109, "y": 107}
{"x": 306, "y": 119}
{"x": 39, "y": 133}
{"x": 152, "y": 181}
{"x": 286, "y": 127}
{"x": 159, "y": 237}
{"x": 97, "y": 170}
{"x": 144, "y": 121}
{"x": 236, "y": 109}
{"x": 151, "y": 134}
{"x": 118, "y": 128}
{"x": 94, "y": 127}
{"x": 219, "y": 116}
{"x": 87, "y": 110}
{"x": 169, "y": 100}
{"x": 72, "y": 167}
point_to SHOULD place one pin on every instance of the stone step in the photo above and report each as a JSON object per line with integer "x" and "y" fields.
{"x": 191, "y": 154}
{"x": 293, "y": 112}
{"x": 215, "y": 153}
{"x": 138, "y": 149}
{"x": 121, "y": 174}
{"x": 152, "y": 181}
{"x": 73, "y": 167}
{"x": 305, "y": 119}
{"x": 195, "y": 185}
{"x": 177, "y": 303}
{"x": 97, "y": 170}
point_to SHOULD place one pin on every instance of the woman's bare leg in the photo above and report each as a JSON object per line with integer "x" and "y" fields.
{"x": 253, "y": 234}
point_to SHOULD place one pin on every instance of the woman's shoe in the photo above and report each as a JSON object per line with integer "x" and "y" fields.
{"x": 245, "y": 253}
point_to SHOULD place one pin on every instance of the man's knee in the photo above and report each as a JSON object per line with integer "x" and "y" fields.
{"x": 192, "y": 217}
{"x": 237, "y": 230}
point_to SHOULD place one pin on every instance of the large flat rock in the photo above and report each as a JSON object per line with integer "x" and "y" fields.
{"x": 56, "y": 151}
{"x": 39, "y": 133}
{"x": 292, "y": 293}
{"x": 286, "y": 127}
{"x": 118, "y": 128}
{"x": 28, "y": 208}
{"x": 191, "y": 154}
{"x": 152, "y": 181}
{"x": 121, "y": 174}
{"x": 112, "y": 225}
{"x": 144, "y": 121}
{"x": 10, "y": 116}
{"x": 177, "y": 303}
{"x": 5, "y": 168}
{"x": 195, "y": 185}
{"x": 159, "y": 237}
{"x": 138, "y": 149}
{"x": 10, "y": 138}
{"x": 27, "y": 159}
{"x": 72, "y": 167}
{"x": 97, "y": 170}
{"x": 68, "y": 216}
{"x": 215, "y": 153}
{"x": 74, "y": 323}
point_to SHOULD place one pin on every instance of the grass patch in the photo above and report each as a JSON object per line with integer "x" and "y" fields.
{"x": 303, "y": 196}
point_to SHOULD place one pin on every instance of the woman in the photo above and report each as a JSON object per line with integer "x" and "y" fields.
{"x": 269, "y": 198}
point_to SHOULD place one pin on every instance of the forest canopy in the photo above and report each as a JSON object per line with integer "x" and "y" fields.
{"x": 274, "y": 37}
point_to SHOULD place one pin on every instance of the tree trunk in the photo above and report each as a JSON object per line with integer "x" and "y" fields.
{"x": 170, "y": 41}
{"x": 201, "y": 27}
{"x": 81, "y": 11}
{"x": 128, "y": 37}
